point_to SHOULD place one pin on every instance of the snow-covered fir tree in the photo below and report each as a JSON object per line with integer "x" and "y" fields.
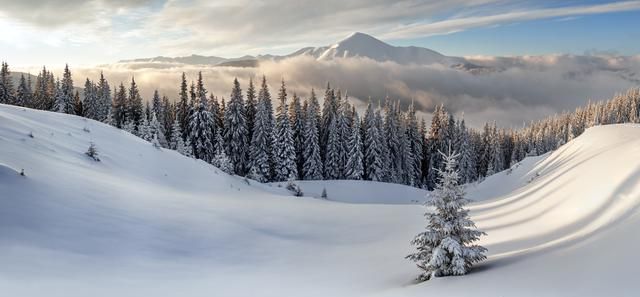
{"x": 77, "y": 104}
{"x": 7, "y": 95}
{"x": 343, "y": 127}
{"x": 333, "y": 158}
{"x": 91, "y": 104}
{"x": 437, "y": 140}
{"x": 220, "y": 158}
{"x": 415, "y": 141}
{"x": 168, "y": 117}
{"x": 64, "y": 95}
{"x": 355, "y": 167}
{"x": 200, "y": 133}
{"x": 260, "y": 149}
{"x": 265, "y": 96}
{"x": 135, "y": 106}
{"x": 251, "y": 108}
{"x": 297, "y": 126}
{"x": 120, "y": 106}
{"x": 103, "y": 93}
{"x": 144, "y": 131}
{"x": 447, "y": 246}
{"x": 183, "y": 111}
{"x": 23, "y": 93}
{"x": 155, "y": 129}
{"x": 394, "y": 145}
{"x": 329, "y": 112}
{"x": 177, "y": 143}
{"x": 235, "y": 127}
{"x": 312, "y": 167}
{"x": 407, "y": 164}
{"x": 384, "y": 148}
{"x": 157, "y": 107}
{"x": 284, "y": 154}
{"x": 373, "y": 166}
{"x": 467, "y": 165}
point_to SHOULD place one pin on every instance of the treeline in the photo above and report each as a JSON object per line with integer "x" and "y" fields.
{"x": 303, "y": 139}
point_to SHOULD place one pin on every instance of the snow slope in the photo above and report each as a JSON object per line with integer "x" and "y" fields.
{"x": 357, "y": 191}
{"x": 149, "y": 222}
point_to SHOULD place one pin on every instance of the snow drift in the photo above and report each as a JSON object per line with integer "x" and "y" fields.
{"x": 150, "y": 222}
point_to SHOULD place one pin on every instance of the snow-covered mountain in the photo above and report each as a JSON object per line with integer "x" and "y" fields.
{"x": 366, "y": 46}
{"x": 150, "y": 222}
{"x": 356, "y": 45}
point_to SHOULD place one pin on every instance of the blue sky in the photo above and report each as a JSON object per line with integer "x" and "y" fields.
{"x": 615, "y": 33}
{"x": 90, "y": 32}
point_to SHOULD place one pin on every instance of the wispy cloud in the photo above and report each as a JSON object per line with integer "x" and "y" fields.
{"x": 453, "y": 25}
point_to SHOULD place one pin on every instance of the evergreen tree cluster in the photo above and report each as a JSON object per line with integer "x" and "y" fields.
{"x": 300, "y": 139}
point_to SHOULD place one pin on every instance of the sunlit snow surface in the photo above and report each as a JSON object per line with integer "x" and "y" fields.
{"x": 149, "y": 222}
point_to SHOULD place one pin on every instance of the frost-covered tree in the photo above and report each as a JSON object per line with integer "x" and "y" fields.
{"x": 7, "y": 92}
{"x": 284, "y": 154}
{"x": 77, "y": 104}
{"x": 156, "y": 106}
{"x": 312, "y": 167}
{"x": 91, "y": 104}
{"x": 329, "y": 112}
{"x": 144, "y": 131}
{"x": 200, "y": 135}
{"x": 64, "y": 96}
{"x": 109, "y": 120}
{"x": 23, "y": 94}
{"x": 155, "y": 129}
{"x": 177, "y": 143}
{"x": 415, "y": 142}
{"x": 373, "y": 166}
{"x": 135, "y": 106}
{"x": 394, "y": 142}
{"x": 385, "y": 159}
{"x": 251, "y": 108}
{"x": 44, "y": 90}
{"x": 467, "y": 165}
{"x": 235, "y": 127}
{"x": 265, "y": 96}
{"x": 220, "y": 158}
{"x": 343, "y": 126}
{"x": 297, "y": 126}
{"x": 120, "y": 106}
{"x": 168, "y": 117}
{"x": 260, "y": 150}
{"x": 447, "y": 246}
{"x": 355, "y": 168}
{"x": 333, "y": 158}
{"x": 103, "y": 94}
{"x": 437, "y": 142}
{"x": 183, "y": 111}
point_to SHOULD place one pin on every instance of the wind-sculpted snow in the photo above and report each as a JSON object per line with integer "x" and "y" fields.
{"x": 149, "y": 222}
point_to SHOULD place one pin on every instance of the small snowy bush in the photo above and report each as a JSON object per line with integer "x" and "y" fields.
{"x": 92, "y": 152}
{"x": 294, "y": 189}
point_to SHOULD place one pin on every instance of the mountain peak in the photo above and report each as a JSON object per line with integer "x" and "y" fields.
{"x": 361, "y": 38}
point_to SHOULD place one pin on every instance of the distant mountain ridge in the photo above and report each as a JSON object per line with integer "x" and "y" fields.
{"x": 356, "y": 45}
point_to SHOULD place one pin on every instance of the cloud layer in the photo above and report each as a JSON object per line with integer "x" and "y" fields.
{"x": 509, "y": 90}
